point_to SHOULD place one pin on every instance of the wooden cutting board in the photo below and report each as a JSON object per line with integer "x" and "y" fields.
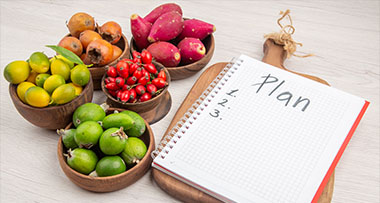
{"x": 274, "y": 55}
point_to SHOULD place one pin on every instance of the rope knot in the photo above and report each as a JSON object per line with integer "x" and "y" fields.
{"x": 284, "y": 37}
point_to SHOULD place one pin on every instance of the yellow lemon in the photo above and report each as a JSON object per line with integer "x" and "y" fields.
{"x": 67, "y": 61}
{"x": 37, "y": 97}
{"x": 32, "y": 77}
{"x": 80, "y": 75}
{"x": 17, "y": 72}
{"x": 22, "y": 88}
{"x": 53, "y": 82}
{"x": 78, "y": 89}
{"x": 40, "y": 79}
{"x": 59, "y": 67}
{"x": 39, "y": 62}
{"x": 63, "y": 94}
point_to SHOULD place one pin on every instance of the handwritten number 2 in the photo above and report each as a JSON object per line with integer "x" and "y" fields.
{"x": 215, "y": 114}
{"x": 223, "y": 102}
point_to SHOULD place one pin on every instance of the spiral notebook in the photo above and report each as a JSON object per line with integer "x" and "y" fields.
{"x": 261, "y": 134}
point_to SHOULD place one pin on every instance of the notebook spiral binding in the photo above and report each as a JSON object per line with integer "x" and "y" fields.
{"x": 177, "y": 132}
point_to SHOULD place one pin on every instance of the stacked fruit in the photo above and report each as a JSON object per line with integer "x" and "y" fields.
{"x": 163, "y": 27}
{"x": 94, "y": 45}
{"x": 135, "y": 80}
{"x": 105, "y": 149}
{"x": 42, "y": 82}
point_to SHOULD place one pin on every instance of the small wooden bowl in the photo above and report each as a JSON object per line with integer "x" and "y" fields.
{"x": 97, "y": 72}
{"x": 139, "y": 107}
{"x": 185, "y": 71}
{"x": 110, "y": 183}
{"x": 53, "y": 117}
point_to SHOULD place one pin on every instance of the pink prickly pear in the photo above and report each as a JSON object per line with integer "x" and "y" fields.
{"x": 140, "y": 30}
{"x": 167, "y": 27}
{"x": 158, "y": 11}
{"x": 197, "y": 29}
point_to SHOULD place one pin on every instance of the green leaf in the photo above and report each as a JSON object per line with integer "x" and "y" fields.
{"x": 69, "y": 55}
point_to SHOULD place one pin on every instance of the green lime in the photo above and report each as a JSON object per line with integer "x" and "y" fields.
{"x": 16, "y": 72}
{"x": 22, "y": 88}
{"x": 40, "y": 79}
{"x": 59, "y": 67}
{"x": 134, "y": 151}
{"x": 78, "y": 89}
{"x": 88, "y": 134}
{"x": 139, "y": 127}
{"x": 37, "y": 97}
{"x": 82, "y": 160}
{"x": 67, "y": 61}
{"x": 112, "y": 141}
{"x": 68, "y": 138}
{"x": 88, "y": 112}
{"x": 118, "y": 120}
{"x": 39, "y": 62}
{"x": 80, "y": 75}
{"x": 110, "y": 165}
{"x": 52, "y": 82}
{"x": 63, "y": 94}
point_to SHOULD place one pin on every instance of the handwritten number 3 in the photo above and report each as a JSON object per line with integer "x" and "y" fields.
{"x": 215, "y": 114}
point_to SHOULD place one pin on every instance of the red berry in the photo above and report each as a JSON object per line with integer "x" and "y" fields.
{"x": 137, "y": 60}
{"x": 162, "y": 75}
{"x": 124, "y": 96}
{"x": 125, "y": 87}
{"x": 159, "y": 83}
{"x": 145, "y": 97}
{"x": 133, "y": 68}
{"x": 131, "y": 80}
{"x": 150, "y": 88}
{"x": 136, "y": 54}
{"x": 140, "y": 89}
{"x": 146, "y": 57}
{"x": 138, "y": 73}
{"x": 113, "y": 92}
{"x": 109, "y": 79}
{"x": 112, "y": 86}
{"x": 111, "y": 72}
{"x": 132, "y": 94}
{"x": 143, "y": 80}
{"x": 118, "y": 94}
{"x": 150, "y": 68}
{"x": 120, "y": 81}
{"x": 122, "y": 68}
{"x": 144, "y": 72}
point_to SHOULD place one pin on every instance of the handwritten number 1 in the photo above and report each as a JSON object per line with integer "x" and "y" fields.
{"x": 231, "y": 93}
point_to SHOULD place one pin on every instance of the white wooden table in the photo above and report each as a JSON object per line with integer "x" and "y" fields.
{"x": 344, "y": 36}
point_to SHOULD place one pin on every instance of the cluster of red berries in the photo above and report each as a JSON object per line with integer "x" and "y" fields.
{"x": 135, "y": 80}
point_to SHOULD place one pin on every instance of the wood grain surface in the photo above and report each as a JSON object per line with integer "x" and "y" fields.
{"x": 343, "y": 35}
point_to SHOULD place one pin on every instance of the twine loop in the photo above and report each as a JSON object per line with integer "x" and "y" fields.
{"x": 284, "y": 37}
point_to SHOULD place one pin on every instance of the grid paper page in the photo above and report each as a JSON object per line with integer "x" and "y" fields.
{"x": 254, "y": 143}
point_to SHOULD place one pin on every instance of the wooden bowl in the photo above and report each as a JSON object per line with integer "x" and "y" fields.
{"x": 53, "y": 117}
{"x": 185, "y": 71}
{"x": 97, "y": 72}
{"x": 110, "y": 183}
{"x": 139, "y": 107}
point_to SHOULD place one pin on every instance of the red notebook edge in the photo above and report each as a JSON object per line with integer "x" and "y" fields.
{"x": 340, "y": 153}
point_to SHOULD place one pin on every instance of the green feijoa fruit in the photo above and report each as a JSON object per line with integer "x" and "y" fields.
{"x": 118, "y": 120}
{"x": 110, "y": 165}
{"x": 88, "y": 134}
{"x": 139, "y": 127}
{"x": 112, "y": 141}
{"x": 134, "y": 151}
{"x": 88, "y": 112}
{"x": 68, "y": 138}
{"x": 82, "y": 160}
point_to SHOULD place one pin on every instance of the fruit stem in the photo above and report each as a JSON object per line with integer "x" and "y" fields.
{"x": 135, "y": 160}
{"x": 60, "y": 132}
{"x": 105, "y": 106}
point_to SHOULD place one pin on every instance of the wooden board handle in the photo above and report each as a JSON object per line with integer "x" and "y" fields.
{"x": 275, "y": 55}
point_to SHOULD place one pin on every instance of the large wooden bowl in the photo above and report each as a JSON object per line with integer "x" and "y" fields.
{"x": 185, "y": 71}
{"x": 97, "y": 72}
{"x": 53, "y": 117}
{"x": 139, "y": 107}
{"x": 110, "y": 183}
